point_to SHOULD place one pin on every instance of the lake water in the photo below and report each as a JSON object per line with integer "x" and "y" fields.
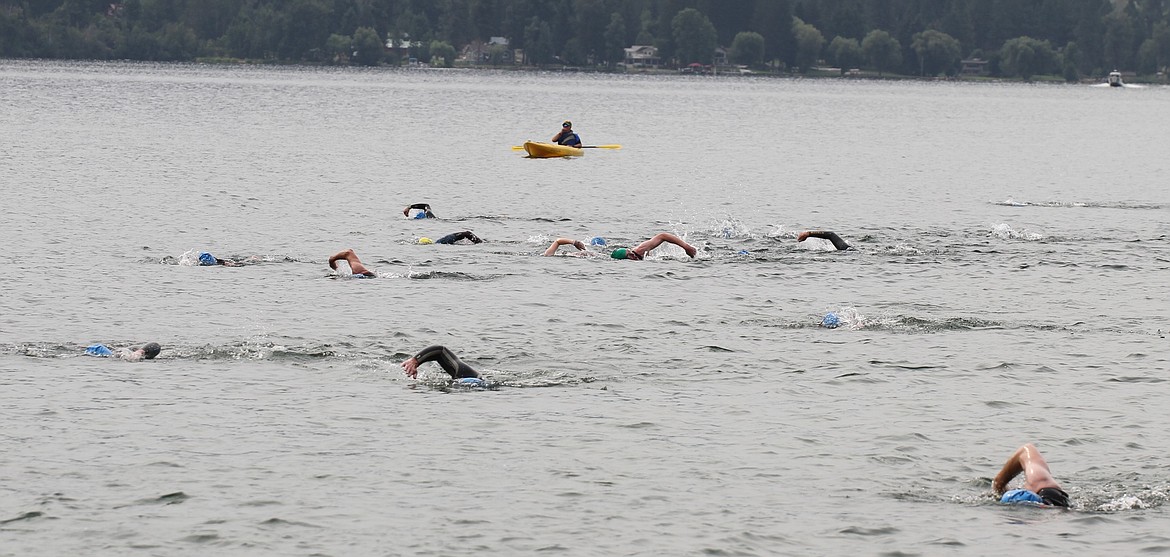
{"x": 1008, "y": 286}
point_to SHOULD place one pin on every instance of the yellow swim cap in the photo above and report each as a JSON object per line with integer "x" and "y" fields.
{"x": 424, "y": 241}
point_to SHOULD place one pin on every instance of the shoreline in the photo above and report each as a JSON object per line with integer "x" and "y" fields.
{"x": 728, "y": 71}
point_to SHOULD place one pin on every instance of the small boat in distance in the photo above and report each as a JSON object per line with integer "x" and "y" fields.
{"x": 1115, "y": 79}
{"x": 540, "y": 150}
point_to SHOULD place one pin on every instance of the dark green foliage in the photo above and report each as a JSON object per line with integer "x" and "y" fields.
{"x": 881, "y": 51}
{"x": 367, "y": 46}
{"x": 442, "y": 54}
{"x": 747, "y": 49}
{"x": 937, "y": 53}
{"x": 1131, "y": 35}
{"x": 615, "y": 40}
{"x": 694, "y": 37}
{"x": 845, "y": 53}
{"x": 809, "y": 42}
{"x": 1025, "y": 57}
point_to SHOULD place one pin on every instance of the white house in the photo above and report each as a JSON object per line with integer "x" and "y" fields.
{"x": 642, "y": 56}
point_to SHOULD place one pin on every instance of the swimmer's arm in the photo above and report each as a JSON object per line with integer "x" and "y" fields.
{"x": 424, "y": 207}
{"x": 333, "y": 260}
{"x": 1011, "y": 469}
{"x": 824, "y": 235}
{"x": 552, "y": 249}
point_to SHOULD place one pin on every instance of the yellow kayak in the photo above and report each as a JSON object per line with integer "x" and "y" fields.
{"x": 540, "y": 150}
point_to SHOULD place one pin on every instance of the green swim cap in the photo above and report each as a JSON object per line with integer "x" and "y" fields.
{"x": 619, "y": 253}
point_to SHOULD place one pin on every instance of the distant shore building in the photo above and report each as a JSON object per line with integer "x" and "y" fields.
{"x": 974, "y": 67}
{"x": 720, "y": 56}
{"x": 401, "y": 47}
{"x": 642, "y": 56}
{"x": 478, "y": 52}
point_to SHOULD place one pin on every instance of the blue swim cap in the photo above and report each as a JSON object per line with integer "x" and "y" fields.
{"x": 744, "y": 252}
{"x": 98, "y": 350}
{"x": 421, "y": 215}
{"x": 831, "y": 321}
{"x": 471, "y": 381}
{"x": 206, "y": 258}
{"x": 597, "y": 241}
{"x": 1021, "y": 496}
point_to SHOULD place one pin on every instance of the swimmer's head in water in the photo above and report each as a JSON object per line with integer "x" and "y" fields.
{"x": 1053, "y": 496}
{"x": 1016, "y": 496}
{"x": 619, "y": 253}
{"x": 597, "y": 241}
{"x": 831, "y": 321}
{"x": 207, "y": 259}
{"x": 151, "y": 350}
{"x": 421, "y": 215}
{"x": 424, "y": 241}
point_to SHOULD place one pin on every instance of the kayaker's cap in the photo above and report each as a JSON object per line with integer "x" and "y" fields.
{"x": 597, "y": 241}
{"x": 566, "y": 124}
{"x": 424, "y": 241}
{"x": 207, "y": 259}
{"x": 619, "y": 253}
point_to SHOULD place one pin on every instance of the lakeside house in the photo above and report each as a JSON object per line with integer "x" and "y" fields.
{"x": 478, "y": 52}
{"x": 642, "y": 56}
{"x": 401, "y": 47}
{"x": 974, "y": 67}
{"x": 720, "y": 56}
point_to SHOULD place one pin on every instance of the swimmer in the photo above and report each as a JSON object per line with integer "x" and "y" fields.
{"x": 552, "y": 249}
{"x": 453, "y": 238}
{"x": 355, "y": 264}
{"x": 824, "y": 234}
{"x": 147, "y": 352}
{"x": 1039, "y": 485}
{"x": 638, "y": 253}
{"x": 424, "y": 207}
{"x": 207, "y": 260}
{"x": 446, "y": 359}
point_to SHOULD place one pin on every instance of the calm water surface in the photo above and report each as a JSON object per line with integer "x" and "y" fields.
{"x": 1008, "y": 285}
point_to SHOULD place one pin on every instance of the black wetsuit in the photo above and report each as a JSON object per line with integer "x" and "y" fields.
{"x": 1054, "y": 496}
{"x": 447, "y": 360}
{"x": 830, "y": 236}
{"x": 424, "y": 207}
{"x": 464, "y": 235}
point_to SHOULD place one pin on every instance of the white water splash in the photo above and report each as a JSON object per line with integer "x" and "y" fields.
{"x": 1006, "y": 232}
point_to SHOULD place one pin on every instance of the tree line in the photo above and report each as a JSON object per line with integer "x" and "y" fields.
{"x": 915, "y": 37}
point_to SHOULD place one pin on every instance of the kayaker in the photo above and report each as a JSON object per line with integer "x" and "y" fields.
{"x": 1039, "y": 485}
{"x": 638, "y": 253}
{"x": 355, "y": 265}
{"x": 826, "y": 235}
{"x": 567, "y": 136}
{"x": 446, "y": 359}
{"x": 424, "y": 207}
